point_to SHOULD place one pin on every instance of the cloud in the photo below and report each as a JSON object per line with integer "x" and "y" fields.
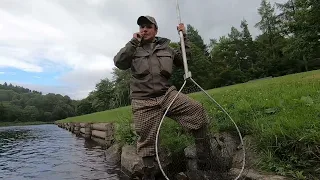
{"x": 79, "y": 39}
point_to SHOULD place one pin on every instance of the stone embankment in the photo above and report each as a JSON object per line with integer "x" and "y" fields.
{"x": 227, "y": 144}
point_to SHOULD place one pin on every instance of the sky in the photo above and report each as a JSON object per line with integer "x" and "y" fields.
{"x": 67, "y": 46}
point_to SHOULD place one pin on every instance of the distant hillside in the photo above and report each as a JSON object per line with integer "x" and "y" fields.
{"x": 17, "y": 89}
{"x": 19, "y": 104}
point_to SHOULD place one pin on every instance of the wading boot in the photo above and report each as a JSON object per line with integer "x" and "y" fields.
{"x": 148, "y": 173}
{"x": 149, "y": 168}
{"x": 206, "y": 159}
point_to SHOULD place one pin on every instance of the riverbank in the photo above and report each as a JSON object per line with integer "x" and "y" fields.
{"x": 282, "y": 114}
{"x": 3, "y": 124}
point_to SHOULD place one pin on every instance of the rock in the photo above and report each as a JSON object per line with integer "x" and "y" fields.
{"x": 205, "y": 175}
{"x": 254, "y": 175}
{"x": 227, "y": 142}
{"x": 190, "y": 154}
{"x": 231, "y": 175}
{"x": 224, "y": 146}
{"x": 228, "y": 148}
{"x": 251, "y": 156}
{"x": 164, "y": 157}
{"x": 130, "y": 161}
{"x": 182, "y": 176}
{"x": 113, "y": 153}
{"x": 132, "y": 164}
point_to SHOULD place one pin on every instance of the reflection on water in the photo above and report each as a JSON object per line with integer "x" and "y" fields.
{"x": 47, "y": 152}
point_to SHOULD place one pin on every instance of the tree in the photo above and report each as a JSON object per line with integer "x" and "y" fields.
{"x": 121, "y": 80}
{"x": 104, "y": 95}
{"x": 302, "y": 26}
{"x": 269, "y": 25}
{"x": 2, "y": 112}
{"x": 22, "y": 104}
{"x": 196, "y": 39}
{"x": 31, "y": 113}
{"x": 199, "y": 63}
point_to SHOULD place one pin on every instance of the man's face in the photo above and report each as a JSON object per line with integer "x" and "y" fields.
{"x": 148, "y": 31}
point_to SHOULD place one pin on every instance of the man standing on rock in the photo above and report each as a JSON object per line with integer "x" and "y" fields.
{"x": 151, "y": 61}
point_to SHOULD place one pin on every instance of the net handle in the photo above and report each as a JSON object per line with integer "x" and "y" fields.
{"x": 187, "y": 73}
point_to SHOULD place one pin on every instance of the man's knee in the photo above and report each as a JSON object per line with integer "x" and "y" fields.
{"x": 198, "y": 110}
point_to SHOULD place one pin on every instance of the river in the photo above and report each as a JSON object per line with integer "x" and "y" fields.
{"x": 47, "y": 152}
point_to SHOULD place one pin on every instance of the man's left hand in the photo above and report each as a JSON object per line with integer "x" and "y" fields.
{"x": 182, "y": 28}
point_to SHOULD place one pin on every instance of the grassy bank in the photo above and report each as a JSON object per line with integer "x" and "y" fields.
{"x": 22, "y": 123}
{"x": 282, "y": 113}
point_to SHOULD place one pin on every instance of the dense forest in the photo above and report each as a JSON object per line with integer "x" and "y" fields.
{"x": 19, "y": 104}
{"x": 289, "y": 43}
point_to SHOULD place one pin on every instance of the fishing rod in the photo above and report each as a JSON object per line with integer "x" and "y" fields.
{"x": 187, "y": 75}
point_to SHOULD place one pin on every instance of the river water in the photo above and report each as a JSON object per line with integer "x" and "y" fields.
{"x": 47, "y": 152}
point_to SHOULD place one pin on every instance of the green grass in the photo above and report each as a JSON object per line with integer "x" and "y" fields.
{"x": 282, "y": 113}
{"x": 113, "y": 115}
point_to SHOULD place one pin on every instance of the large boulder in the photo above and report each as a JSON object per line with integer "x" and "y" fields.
{"x": 202, "y": 175}
{"x": 251, "y": 154}
{"x": 190, "y": 154}
{"x": 223, "y": 145}
{"x": 254, "y": 175}
{"x": 132, "y": 165}
{"x": 113, "y": 153}
{"x": 227, "y": 146}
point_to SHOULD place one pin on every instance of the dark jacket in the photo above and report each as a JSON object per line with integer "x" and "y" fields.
{"x": 150, "y": 68}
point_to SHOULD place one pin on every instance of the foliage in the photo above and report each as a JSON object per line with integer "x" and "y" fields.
{"x": 18, "y": 104}
{"x": 125, "y": 133}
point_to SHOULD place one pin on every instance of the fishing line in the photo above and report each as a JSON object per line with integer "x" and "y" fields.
{"x": 187, "y": 75}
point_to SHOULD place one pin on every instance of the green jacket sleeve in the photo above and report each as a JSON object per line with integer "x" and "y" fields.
{"x": 123, "y": 58}
{"x": 178, "y": 59}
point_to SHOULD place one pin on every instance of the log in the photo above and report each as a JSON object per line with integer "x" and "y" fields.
{"x": 100, "y": 126}
{"x": 88, "y": 131}
{"x": 99, "y": 134}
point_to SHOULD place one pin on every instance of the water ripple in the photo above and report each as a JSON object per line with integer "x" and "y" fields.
{"x": 51, "y": 153}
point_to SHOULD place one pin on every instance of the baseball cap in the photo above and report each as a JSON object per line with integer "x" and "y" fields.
{"x": 147, "y": 19}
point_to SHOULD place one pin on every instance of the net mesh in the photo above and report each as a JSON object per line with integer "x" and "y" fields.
{"x": 182, "y": 144}
{"x": 177, "y": 146}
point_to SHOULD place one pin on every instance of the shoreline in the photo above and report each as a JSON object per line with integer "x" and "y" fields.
{"x": 9, "y": 124}
{"x": 177, "y": 165}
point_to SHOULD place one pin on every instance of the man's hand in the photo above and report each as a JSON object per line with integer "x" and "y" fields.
{"x": 138, "y": 36}
{"x": 181, "y": 27}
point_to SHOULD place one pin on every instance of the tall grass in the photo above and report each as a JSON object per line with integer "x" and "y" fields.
{"x": 282, "y": 113}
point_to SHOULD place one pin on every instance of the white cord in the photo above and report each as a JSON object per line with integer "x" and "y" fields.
{"x": 186, "y": 77}
{"x": 164, "y": 115}
{"x": 158, "y": 131}
{"x": 240, "y": 136}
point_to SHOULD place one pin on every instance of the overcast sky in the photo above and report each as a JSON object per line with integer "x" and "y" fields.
{"x": 46, "y": 45}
